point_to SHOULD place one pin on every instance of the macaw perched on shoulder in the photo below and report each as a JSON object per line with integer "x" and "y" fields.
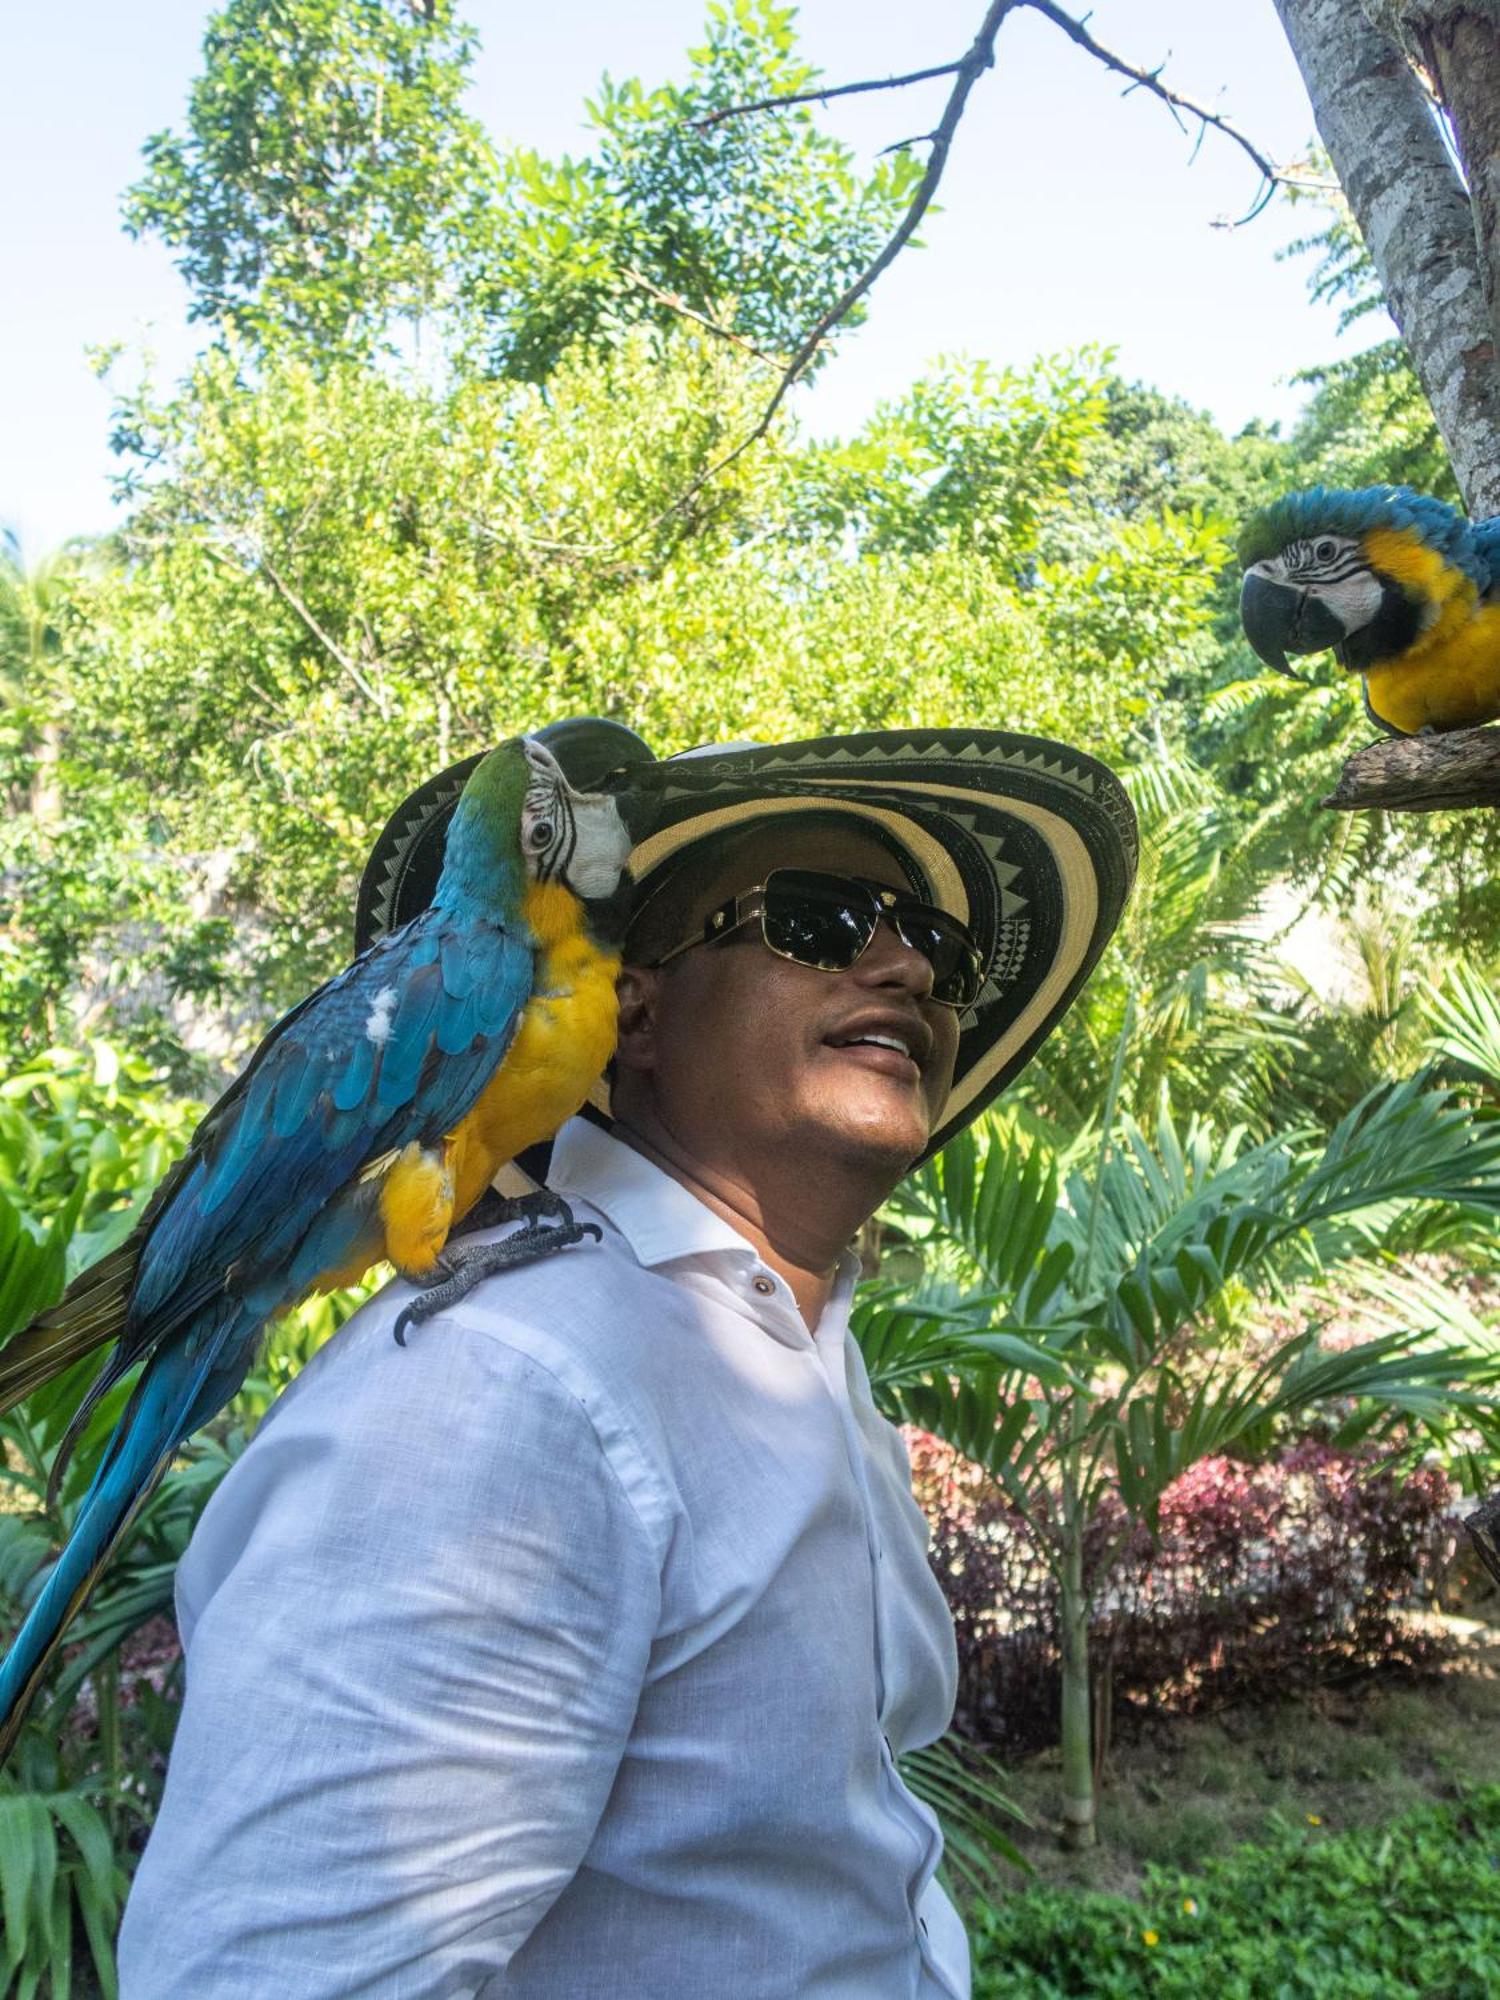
{"x": 366, "y": 1124}
{"x": 1403, "y": 589}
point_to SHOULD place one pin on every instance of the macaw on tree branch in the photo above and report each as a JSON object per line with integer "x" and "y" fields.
{"x": 1399, "y": 585}
{"x": 366, "y": 1124}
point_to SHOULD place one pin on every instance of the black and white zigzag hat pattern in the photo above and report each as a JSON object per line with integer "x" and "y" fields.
{"x": 1029, "y": 842}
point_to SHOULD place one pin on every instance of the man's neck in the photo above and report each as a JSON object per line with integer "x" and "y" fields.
{"x": 803, "y": 1248}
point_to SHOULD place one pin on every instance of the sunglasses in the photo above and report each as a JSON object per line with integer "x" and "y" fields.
{"x": 827, "y": 921}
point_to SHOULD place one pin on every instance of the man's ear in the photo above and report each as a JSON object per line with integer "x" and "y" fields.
{"x": 637, "y": 989}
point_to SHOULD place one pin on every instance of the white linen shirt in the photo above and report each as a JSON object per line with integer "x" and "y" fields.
{"x": 562, "y": 1654}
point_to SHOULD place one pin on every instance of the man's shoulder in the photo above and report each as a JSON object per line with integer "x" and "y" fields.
{"x": 568, "y": 1314}
{"x": 572, "y": 1327}
{"x": 510, "y": 1374}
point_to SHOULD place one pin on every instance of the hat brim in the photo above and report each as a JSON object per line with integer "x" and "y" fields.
{"x": 1031, "y": 843}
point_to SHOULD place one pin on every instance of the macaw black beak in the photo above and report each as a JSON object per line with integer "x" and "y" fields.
{"x": 1279, "y": 620}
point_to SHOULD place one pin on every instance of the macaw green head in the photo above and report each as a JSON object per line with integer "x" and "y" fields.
{"x": 519, "y": 822}
{"x": 1364, "y": 572}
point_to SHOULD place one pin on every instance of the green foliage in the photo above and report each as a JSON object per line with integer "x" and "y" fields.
{"x": 70, "y": 1149}
{"x": 329, "y": 186}
{"x": 58, "y": 1868}
{"x": 1411, "y": 1908}
{"x": 1083, "y": 1334}
{"x": 337, "y": 583}
{"x": 1209, "y": 1000}
{"x": 87, "y": 1133}
{"x": 759, "y": 223}
{"x": 328, "y": 175}
{"x": 1105, "y": 1285}
{"x": 1462, "y": 1013}
{"x": 1155, "y": 451}
{"x": 95, "y": 912}
{"x": 966, "y": 1791}
{"x": 972, "y": 458}
{"x": 1369, "y": 423}
{"x": 83, "y": 1139}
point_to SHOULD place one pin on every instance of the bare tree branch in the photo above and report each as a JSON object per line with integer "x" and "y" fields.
{"x": 969, "y": 69}
{"x": 674, "y": 302}
{"x": 966, "y": 72}
{"x": 258, "y": 558}
{"x": 1271, "y": 175}
{"x": 1422, "y": 774}
{"x": 822, "y": 96}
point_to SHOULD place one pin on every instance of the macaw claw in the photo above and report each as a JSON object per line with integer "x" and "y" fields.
{"x": 459, "y": 1271}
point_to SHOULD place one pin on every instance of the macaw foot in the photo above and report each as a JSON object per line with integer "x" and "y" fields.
{"x": 459, "y": 1271}
{"x": 541, "y": 1204}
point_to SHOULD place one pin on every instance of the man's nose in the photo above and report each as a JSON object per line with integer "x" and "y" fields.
{"x": 888, "y": 960}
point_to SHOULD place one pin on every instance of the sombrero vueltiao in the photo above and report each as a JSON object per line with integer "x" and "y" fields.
{"x": 1032, "y": 844}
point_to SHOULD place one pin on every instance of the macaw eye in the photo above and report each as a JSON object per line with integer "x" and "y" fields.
{"x": 541, "y": 834}
{"x": 1326, "y": 551}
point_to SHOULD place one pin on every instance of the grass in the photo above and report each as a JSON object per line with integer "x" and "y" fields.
{"x": 1183, "y": 1790}
{"x": 1405, "y": 1910}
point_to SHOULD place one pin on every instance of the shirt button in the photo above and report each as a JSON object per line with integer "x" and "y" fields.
{"x": 765, "y": 1286}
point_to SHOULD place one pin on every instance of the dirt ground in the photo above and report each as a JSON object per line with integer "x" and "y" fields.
{"x": 1181, "y": 1789}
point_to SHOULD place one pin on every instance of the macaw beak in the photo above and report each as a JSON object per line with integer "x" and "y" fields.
{"x": 1279, "y": 620}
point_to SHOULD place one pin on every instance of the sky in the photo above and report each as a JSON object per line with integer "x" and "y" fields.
{"x": 1070, "y": 213}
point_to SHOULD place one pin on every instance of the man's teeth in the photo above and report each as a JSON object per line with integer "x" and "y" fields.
{"x": 877, "y": 1042}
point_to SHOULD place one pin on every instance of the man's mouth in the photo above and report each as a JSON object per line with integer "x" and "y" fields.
{"x": 892, "y": 1051}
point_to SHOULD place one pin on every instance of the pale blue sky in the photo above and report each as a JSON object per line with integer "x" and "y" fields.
{"x": 1070, "y": 215}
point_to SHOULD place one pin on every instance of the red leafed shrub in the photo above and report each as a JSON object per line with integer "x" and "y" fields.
{"x": 1287, "y": 1573}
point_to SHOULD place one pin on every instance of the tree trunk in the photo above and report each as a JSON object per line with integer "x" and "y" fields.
{"x": 1415, "y": 217}
{"x": 46, "y": 787}
{"x": 1079, "y": 1829}
{"x": 1458, "y": 42}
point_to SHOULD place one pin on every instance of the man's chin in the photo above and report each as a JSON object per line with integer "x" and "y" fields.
{"x": 884, "y": 1138}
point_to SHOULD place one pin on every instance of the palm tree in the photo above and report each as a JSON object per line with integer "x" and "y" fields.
{"x": 1073, "y": 1331}
{"x": 33, "y": 603}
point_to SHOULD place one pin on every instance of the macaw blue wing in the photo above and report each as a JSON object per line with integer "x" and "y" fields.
{"x": 1486, "y": 536}
{"x": 395, "y": 1049}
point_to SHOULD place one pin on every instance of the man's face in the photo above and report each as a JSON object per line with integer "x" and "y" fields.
{"x": 751, "y": 1057}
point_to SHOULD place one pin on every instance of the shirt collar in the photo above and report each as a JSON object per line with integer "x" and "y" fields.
{"x": 658, "y": 1217}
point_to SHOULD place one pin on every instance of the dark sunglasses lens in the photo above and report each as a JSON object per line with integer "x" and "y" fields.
{"x": 948, "y": 950}
{"x": 817, "y": 920}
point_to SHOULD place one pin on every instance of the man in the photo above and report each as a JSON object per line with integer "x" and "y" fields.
{"x": 568, "y": 1651}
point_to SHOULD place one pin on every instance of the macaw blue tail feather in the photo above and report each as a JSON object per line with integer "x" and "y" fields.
{"x": 164, "y": 1409}
{"x": 91, "y": 1312}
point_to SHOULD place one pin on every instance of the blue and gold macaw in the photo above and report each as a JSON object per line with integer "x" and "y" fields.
{"x": 366, "y": 1124}
{"x": 1403, "y": 589}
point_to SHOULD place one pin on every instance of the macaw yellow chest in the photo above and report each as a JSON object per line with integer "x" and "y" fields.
{"x": 1453, "y": 684}
{"x": 564, "y": 1038}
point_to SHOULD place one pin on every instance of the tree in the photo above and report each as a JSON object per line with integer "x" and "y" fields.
{"x": 1076, "y": 1332}
{"x": 327, "y": 181}
{"x": 1433, "y": 238}
{"x": 34, "y": 603}
{"x": 1368, "y": 423}
{"x": 337, "y": 579}
{"x": 748, "y": 226}
{"x": 330, "y": 187}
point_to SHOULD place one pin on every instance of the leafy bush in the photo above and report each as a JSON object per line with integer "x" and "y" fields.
{"x": 84, "y": 1136}
{"x": 94, "y": 1128}
{"x": 1279, "y": 1574}
{"x": 1409, "y": 1909}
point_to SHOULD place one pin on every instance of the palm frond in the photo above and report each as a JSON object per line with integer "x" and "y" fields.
{"x": 966, "y": 1791}
{"x": 1463, "y": 1017}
